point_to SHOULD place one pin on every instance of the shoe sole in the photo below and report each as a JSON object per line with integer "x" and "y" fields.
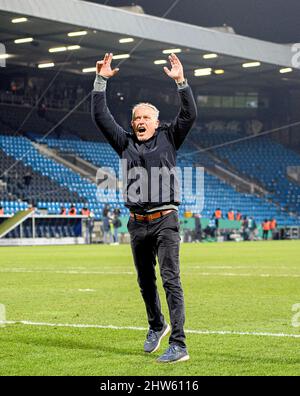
{"x": 168, "y": 328}
{"x": 183, "y": 359}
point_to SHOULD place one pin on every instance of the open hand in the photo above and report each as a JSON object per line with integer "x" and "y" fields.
{"x": 104, "y": 67}
{"x": 176, "y": 71}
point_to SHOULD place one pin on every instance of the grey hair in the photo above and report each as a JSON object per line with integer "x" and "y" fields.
{"x": 148, "y": 105}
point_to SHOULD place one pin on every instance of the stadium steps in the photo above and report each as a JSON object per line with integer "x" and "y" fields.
{"x": 85, "y": 170}
{"x": 13, "y": 222}
{"x": 224, "y": 171}
{"x": 81, "y": 165}
{"x": 92, "y": 172}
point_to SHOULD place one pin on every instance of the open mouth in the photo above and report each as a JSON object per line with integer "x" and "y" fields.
{"x": 141, "y": 130}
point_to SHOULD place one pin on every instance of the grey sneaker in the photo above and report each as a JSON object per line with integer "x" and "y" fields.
{"x": 154, "y": 338}
{"x": 174, "y": 354}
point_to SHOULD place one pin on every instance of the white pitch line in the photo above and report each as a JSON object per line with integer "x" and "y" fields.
{"x": 235, "y": 267}
{"x": 72, "y": 272}
{"x": 201, "y": 332}
{"x": 2, "y": 315}
{"x": 248, "y": 275}
{"x": 80, "y": 326}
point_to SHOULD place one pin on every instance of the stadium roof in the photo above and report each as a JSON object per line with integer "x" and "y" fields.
{"x": 49, "y": 23}
{"x": 270, "y": 20}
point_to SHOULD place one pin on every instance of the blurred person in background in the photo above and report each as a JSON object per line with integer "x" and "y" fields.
{"x": 90, "y": 227}
{"x": 266, "y": 229}
{"x": 230, "y": 215}
{"x": 253, "y": 228}
{"x": 273, "y": 229}
{"x": 85, "y": 211}
{"x": 245, "y": 228}
{"x": 73, "y": 211}
{"x": 116, "y": 222}
{"x": 106, "y": 225}
{"x": 218, "y": 215}
{"x": 238, "y": 215}
{"x": 198, "y": 228}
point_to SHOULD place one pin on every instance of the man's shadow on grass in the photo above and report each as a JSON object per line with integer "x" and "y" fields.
{"x": 98, "y": 345}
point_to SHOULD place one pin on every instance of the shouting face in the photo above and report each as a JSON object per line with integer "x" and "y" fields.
{"x": 144, "y": 122}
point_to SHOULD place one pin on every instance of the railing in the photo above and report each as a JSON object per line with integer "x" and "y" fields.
{"x": 253, "y": 188}
{"x": 48, "y": 229}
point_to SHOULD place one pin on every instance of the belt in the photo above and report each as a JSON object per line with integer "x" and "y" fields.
{"x": 150, "y": 217}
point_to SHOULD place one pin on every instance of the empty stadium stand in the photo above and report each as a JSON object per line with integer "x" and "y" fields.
{"x": 261, "y": 159}
{"x": 25, "y": 184}
{"x": 217, "y": 192}
{"x": 23, "y": 150}
{"x": 54, "y": 185}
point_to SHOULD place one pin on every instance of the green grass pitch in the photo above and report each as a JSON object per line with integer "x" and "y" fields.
{"x": 230, "y": 287}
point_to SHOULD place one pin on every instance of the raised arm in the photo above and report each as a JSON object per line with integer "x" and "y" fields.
{"x": 114, "y": 133}
{"x": 188, "y": 109}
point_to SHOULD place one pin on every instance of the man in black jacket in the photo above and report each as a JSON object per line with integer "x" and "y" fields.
{"x": 153, "y": 224}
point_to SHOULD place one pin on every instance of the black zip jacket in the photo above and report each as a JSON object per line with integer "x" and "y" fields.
{"x": 159, "y": 151}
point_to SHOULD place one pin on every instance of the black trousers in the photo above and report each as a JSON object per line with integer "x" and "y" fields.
{"x": 265, "y": 235}
{"x": 159, "y": 238}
